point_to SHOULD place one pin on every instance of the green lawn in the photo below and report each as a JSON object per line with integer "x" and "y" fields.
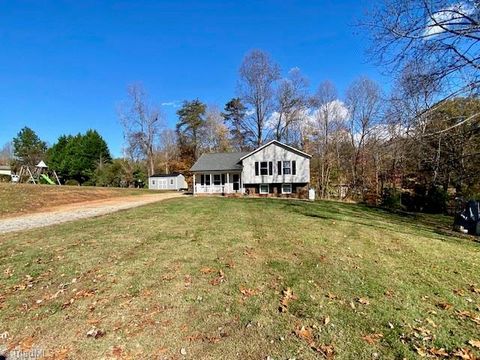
{"x": 200, "y": 278}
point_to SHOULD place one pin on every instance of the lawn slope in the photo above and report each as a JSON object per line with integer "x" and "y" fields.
{"x": 210, "y": 278}
{"x": 18, "y": 199}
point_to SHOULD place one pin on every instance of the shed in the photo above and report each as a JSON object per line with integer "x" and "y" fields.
{"x": 5, "y": 170}
{"x": 174, "y": 181}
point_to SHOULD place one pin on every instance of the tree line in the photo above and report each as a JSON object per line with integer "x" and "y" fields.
{"x": 416, "y": 147}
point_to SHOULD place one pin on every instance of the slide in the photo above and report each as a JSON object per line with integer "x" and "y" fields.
{"x": 47, "y": 179}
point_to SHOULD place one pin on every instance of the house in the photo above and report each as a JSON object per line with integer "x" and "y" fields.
{"x": 174, "y": 181}
{"x": 273, "y": 169}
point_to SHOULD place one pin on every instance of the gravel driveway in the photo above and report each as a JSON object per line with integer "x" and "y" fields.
{"x": 79, "y": 211}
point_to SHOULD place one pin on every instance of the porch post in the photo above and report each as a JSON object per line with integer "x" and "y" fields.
{"x": 228, "y": 183}
{"x": 211, "y": 182}
{"x": 193, "y": 183}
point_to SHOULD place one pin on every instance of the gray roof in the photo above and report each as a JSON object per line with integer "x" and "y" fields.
{"x": 175, "y": 174}
{"x": 219, "y": 162}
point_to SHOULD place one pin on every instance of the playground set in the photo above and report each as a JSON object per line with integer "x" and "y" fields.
{"x": 36, "y": 174}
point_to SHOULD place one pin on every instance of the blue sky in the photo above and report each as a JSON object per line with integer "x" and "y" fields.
{"x": 65, "y": 65}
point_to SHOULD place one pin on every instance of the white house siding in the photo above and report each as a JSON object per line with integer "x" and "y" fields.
{"x": 275, "y": 153}
{"x": 167, "y": 183}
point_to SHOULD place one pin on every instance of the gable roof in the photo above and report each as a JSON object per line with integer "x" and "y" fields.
{"x": 175, "y": 174}
{"x": 276, "y": 142}
{"x": 219, "y": 162}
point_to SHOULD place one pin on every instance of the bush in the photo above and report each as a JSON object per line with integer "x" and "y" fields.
{"x": 392, "y": 198}
{"x": 72, "y": 182}
{"x": 435, "y": 200}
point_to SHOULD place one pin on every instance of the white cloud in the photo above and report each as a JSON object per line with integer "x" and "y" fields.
{"x": 174, "y": 103}
{"x": 446, "y": 17}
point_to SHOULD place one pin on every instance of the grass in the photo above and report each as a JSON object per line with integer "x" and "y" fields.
{"x": 209, "y": 274}
{"x": 17, "y": 199}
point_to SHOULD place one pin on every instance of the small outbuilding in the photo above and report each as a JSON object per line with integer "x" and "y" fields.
{"x": 174, "y": 181}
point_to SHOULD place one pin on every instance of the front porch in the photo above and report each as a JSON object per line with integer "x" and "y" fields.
{"x": 217, "y": 183}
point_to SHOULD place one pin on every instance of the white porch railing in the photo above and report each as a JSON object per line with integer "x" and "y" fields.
{"x": 215, "y": 189}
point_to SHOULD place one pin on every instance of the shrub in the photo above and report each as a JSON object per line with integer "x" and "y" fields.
{"x": 72, "y": 182}
{"x": 391, "y": 198}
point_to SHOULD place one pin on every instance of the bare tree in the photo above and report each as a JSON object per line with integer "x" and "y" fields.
{"x": 142, "y": 124}
{"x": 6, "y": 154}
{"x": 258, "y": 74}
{"x": 437, "y": 42}
{"x": 328, "y": 117}
{"x": 167, "y": 150}
{"x": 363, "y": 100}
{"x": 214, "y": 133}
{"x": 290, "y": 104}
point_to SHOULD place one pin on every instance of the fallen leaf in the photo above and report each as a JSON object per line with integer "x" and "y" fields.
{"x": 438, "y": 352}
{"x": 219, "y": 279}
{"x": 327, "y": 350}
{"x": 363, "y": 301}
{"x": 287, "y": 296}
{"x": 95, "y": 333}
{"x": 372, "y": 338}
{"x": 305, "y": 334}
{"x": 474, "y": 289}
{"x": 248, "y": 292}
{"x": 331, "y": 296}
{"x": 207, "y": 270}
{"x": 464, "y": 354}
{"x": 444, "y": 305}
{"x": 326, "y": 321}
{"x": 474, "y": 343}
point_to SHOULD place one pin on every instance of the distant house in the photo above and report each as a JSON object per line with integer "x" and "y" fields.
{"x": 274, "y": 169}
{"x": 173, "y": 181}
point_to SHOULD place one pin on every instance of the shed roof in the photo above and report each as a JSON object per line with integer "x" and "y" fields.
{"x": 219, "y": 162}
{"x": 166, "y": 175}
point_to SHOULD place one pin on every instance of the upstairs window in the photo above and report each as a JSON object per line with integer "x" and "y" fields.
{"x": 264, "y": 168}
{"x": 286, "y": 168}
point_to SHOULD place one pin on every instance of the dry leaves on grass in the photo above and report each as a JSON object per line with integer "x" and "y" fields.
{"x": 444, "y": 305}
{"x": 473, "y": 288}
{"x": 287, "y": 297}
{"x": 465, "y": 354}
{"x": 219, "y": 279}
{"x": 474, "y": 343}
{"x": 372, "y": 338}
{"x": 469, "y": 315}
{"x": 247, "y": 292}
{"x": 95, "y": 333}
{"x": 207, "y": 270}
{"x": 306, "y": 334}
{"x": 363, "y": 301}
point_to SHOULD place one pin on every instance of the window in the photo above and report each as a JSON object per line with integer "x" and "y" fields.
{"x": 264, "y": 168}
{"x": 207, "y": 179}
{"x": 286, "y": 168}
{"x": 171, "y": 181}
{"x": 264, "y": 189}
{"x": 286, "y": 188}
{"x": 216, "y": 179}
{"x": 153, "y": 182}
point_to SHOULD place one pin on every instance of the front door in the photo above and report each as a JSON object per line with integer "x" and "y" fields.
{"x": 236, "y": 182}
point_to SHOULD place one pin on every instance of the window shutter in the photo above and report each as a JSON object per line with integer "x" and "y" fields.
{"x": 256, "y": 168}
{"x": 279, "y": 167}
{"x": 294, "y": 167}
{"x": 270, "y": 168}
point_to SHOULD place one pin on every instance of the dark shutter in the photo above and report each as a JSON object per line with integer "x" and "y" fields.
{"x": 202, "y": 179}
{"x": 279, "y": 168}
{"x": 294, "y": 167}
{"x": 270, "y": 168}
{"x": 256, "y": 168}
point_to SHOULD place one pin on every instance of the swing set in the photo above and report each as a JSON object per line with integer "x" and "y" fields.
{"x": 36, "y": 174}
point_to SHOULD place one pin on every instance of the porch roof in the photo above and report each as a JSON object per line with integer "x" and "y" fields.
{"x": 219, "y": 162}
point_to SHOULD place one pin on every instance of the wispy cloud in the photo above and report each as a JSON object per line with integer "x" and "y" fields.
{"x": 447, "y": 17}
{"x": 174, "y": 103}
